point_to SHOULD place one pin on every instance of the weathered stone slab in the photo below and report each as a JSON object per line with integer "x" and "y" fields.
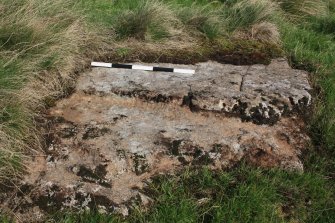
{"x": 121, "y": 127}
{"x": 259, "y": 93}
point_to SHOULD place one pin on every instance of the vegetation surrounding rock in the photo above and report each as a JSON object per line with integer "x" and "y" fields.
{"x": 45, "y": 44}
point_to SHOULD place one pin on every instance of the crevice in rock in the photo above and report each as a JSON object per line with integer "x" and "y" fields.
{"x": 188, "y": 100}
{"x": 145, "y": 95}
{"x": 243, "y": 78}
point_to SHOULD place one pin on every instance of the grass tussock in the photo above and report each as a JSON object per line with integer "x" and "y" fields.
{"x": 246, "y": 13}
{"x": 253, "y": 20}
{"x": 203, "y": 19}
{"x": 144, "y": 20}
{"x": 266, "y": 32}
{"x": 42, "y": 43}
{"x": 303, "y": 8}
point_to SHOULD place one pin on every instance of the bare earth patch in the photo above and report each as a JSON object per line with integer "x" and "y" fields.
{"x": 121, "y": 127}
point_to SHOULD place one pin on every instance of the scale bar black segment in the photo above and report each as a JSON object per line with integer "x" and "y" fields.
{"x": 163, "y": 69}
{"x": 124, "y": 66}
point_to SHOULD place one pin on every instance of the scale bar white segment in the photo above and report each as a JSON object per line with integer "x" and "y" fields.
{"x": 184, "y": 71}
{"x": 100, "y": 64}
{"x": 141, "y": 67}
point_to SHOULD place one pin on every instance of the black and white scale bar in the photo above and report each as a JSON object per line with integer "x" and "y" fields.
{"x": 141, "y": 67}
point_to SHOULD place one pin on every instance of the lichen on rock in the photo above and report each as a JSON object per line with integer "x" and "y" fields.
{"x": 122, "y": 127}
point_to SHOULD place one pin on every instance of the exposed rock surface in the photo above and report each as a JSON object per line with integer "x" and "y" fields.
{"x": 122, "y": 127}
{"x": 259, "y": 93}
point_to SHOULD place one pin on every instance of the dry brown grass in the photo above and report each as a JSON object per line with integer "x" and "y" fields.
{"x": 265, "y": 32}
{"x": 252, "y": 20}
{"x": 38, "y": 32}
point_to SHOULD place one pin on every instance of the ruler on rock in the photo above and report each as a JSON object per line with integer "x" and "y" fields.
{"x": 143, "y": 67}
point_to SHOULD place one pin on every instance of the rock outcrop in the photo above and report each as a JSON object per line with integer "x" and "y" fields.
{"x": 121, "y": 127}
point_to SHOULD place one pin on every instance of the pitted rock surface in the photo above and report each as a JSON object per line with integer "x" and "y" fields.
{"x": 121, "y": 127}
{"x": 259, "y": 93}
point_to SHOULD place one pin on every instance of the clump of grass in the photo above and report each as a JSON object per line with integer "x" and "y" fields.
{"x": 252, "y": 20}
{"x": 324, "y": 24}
{"x": 246, "y": 13}
{"x": 302, "y": 8}
{"x": 266, "y": 32}
{"x": 11, "y": 35}
{"x": 143, "y": 19}
{"x": 204, "y": 18}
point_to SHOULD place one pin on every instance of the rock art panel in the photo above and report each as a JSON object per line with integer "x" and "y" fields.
{"x": 122, "y": 127}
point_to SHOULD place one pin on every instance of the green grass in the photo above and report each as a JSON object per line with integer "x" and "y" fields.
{"x": 136, "y": 20}
{"x": 244, "y": 14}
{"x": 314, "y": 50}
{"x": 9, "y": 78}
{"x": 155, "y": 19}
{"x": 303, "y": 8}
{"x": 201, "y": 16}
{"x": 243, "y": 194}
{"x": 130, "y": 19}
